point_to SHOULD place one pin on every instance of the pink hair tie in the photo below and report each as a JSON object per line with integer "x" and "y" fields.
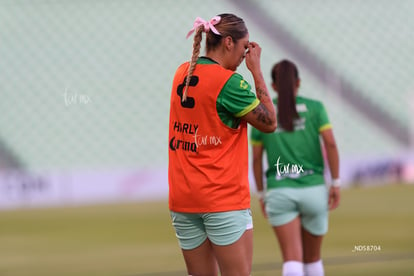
{"x": 207, "y": 25}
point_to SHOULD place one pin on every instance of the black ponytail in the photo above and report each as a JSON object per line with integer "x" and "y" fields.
{"x": 285, "y": 75}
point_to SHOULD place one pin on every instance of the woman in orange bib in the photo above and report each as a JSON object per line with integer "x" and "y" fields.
{"x": 211, "y": 104}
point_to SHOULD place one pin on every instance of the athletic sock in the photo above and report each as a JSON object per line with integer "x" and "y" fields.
{"x": 314, "y": 269}
{"x": 292, "y": 268}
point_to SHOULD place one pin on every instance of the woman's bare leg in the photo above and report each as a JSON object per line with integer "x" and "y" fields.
{"x": 201, "y": 260}
{"x": 236, "y": 259}
{"x": 290, "y": 240}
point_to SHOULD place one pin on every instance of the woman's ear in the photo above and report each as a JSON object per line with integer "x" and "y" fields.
{"x": 274, "y": 86}
{"x": 228, "y": 43}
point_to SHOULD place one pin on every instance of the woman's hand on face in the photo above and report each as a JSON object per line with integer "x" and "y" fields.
{"x": 253, "y": 57}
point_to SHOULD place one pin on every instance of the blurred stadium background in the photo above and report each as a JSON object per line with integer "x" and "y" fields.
{"x": 85, "y": 87}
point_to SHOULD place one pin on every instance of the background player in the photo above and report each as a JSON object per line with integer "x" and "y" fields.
{"x": 296, "y": 199}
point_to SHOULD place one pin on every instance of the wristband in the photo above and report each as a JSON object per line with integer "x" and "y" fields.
{"x": 260, "y": 194}
{"x": 336, "y": 182}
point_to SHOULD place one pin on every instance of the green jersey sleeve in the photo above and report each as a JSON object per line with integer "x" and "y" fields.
{"x": 235, "y": 100}
{"x": 324, "y": 123}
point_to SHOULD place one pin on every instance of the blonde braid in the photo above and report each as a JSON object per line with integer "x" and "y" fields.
{"x": 196, "y": 52}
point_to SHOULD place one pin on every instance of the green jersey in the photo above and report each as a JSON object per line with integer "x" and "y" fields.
{"x": 235, "y": 99}
{"x": 295, "y": 158}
